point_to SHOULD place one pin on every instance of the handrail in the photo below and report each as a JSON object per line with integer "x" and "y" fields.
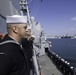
{"x": 63, "y": 65}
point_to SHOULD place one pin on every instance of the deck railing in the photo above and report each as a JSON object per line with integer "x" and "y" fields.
{"x": 63, "y": 65}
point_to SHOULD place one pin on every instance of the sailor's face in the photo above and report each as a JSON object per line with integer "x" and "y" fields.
{"x": 22, "y": 30}
{"x": 27, "y": 33}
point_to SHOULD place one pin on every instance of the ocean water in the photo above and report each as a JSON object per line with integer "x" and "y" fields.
{"x": 65, "y": 48}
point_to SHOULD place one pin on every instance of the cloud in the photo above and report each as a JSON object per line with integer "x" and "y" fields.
{"x": 72, "y": 29}
{"x": 74, "y": 18}
{"x": 75, "y": 24}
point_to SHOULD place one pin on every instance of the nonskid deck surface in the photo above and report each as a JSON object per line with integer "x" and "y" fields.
{"x": 48, "y": 68}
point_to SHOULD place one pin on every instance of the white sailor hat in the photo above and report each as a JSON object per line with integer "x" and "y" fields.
{"x": 16, "y": 19}
{"x": 29, "y": 27}
{"x": 32, "y": 36}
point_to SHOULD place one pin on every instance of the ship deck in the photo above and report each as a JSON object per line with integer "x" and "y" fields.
{"x": 48, "y": 68}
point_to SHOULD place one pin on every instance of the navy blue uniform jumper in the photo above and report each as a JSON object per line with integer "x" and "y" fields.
{"x": 12, "y": 59}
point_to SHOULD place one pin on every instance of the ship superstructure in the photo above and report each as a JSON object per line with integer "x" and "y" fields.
{"x": 36, "y": 29}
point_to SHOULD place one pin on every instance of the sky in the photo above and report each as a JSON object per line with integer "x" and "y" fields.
{"x": 57, "y": 17}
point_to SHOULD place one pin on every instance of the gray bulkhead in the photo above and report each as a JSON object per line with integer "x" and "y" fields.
{"x": 6, "y": 8}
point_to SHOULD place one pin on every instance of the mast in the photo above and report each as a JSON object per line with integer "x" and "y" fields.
{"x": 25, "y": 10}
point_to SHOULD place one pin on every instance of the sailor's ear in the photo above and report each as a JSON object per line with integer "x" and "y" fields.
{"x": 15, "y": 29}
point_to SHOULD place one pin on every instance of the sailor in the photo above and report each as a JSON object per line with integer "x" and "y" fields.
{"x": 28, "y": 46}
{"x": 12, "y": 57}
